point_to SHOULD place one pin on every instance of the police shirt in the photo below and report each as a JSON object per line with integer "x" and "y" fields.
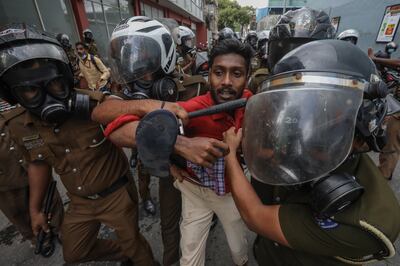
{"x": 12, "y": 162}
{"x": 368, "y": 226}
{"x": 86, "y": 162}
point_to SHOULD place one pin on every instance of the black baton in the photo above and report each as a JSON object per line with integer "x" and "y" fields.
{"x": 219, "y": 108}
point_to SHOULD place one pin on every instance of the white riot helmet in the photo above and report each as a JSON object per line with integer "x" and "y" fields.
{"x": 140, "y": 46}
{"x": 350, "y": 35}
{"x": 183, "y": 36}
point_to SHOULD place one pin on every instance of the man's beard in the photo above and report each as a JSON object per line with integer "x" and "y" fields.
{"x": 226, "y": 93}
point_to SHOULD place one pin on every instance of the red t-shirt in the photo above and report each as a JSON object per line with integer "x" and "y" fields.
{"x": 211, "y": 126}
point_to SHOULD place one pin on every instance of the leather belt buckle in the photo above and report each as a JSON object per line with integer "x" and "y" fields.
{"x": 93, "y": 197}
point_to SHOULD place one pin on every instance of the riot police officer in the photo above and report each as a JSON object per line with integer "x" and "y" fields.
{"x": 251, "y": 39}
{"x": 73, "y": 60}
{"x": 293, "y": 29}
{"x": 185, "y": 46}
{"x": 226, "y": 33}
{"x": 316, "y": 200}
{"x": 90, "y": 42}
{"x": 142, "y": 54}
{"x": 53, "y": 133}
{"x": 259, "y": 62}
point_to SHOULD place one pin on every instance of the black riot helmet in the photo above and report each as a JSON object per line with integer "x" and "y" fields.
{"x": 321, "y": 95}
{"x": 226, "y": 33}
{"x": 251, "y": 39}
{"x": 63, "y": 39}
{"x": 35, "y": 72}
{"x": 295, "y": 28}
{"x": 331, "y": 56}
{"x": 87, "y": 35}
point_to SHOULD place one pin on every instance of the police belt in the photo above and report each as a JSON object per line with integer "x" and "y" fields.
{"x": 120, "y": 182}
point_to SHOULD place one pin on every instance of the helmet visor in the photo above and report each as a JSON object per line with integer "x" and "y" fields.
{"x": 16, "y": 54}
{"x": 189, "y": 42}
{"x": 133, "y": 57}
{"x": 298, "y": 134}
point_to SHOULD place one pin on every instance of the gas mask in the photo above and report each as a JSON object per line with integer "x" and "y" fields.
{"x": 45, "y": 92}
{"x": 163, "y": 89}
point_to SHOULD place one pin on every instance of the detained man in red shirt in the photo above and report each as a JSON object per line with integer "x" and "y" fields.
{"x": 206, "y": 191}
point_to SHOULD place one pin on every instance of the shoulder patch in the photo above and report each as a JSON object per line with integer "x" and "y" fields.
{"x": 326, "y": 223}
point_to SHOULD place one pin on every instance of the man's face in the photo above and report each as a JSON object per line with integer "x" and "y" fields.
{"x": 80, "y": 50}
{"x": 228, "y": 77}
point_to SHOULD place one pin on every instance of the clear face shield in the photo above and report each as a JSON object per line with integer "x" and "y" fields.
{"x": 300, "y": 127}
{"x": 133, "y": 57}
{"x": 189, "y": 42}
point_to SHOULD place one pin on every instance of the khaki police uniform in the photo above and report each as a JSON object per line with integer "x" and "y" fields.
{"x": 169, "y": 196}
{"x": 94, "y": 71}
{"x": 14, "y": 187}
{"x": 96, "y": 175}
{"x": 391, "y": 152}
{"x": 257, "y": 78}
{"x": 366, "y": 229}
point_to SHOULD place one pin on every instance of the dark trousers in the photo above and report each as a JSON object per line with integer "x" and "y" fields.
{"x": 170, "y": 212}
{"x": 119, "y": 210}
{"x": 170, "y": 215}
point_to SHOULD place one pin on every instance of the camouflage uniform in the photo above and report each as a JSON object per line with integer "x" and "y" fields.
{"x": 92, "y": 48}
{"x": 73, "y": 61}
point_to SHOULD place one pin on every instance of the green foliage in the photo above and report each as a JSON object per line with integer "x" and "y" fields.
{"x": 234, "y": 16}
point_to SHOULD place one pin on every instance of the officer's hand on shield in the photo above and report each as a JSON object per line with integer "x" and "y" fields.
{"x": 233, "y": 139}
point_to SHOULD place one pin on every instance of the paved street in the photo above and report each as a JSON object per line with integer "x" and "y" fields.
{"x": 15, "y": 252}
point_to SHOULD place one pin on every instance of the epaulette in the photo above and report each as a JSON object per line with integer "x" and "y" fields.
{"x": 12, "y": 113}
{"x": 5, "y": 106}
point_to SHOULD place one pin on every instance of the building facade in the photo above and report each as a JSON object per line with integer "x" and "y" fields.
{"x": 101, "y": 16}
{"x": 363, "y": 15}
{"x": 278, "y": 7}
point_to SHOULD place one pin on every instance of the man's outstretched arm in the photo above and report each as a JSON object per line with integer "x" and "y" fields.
{"x": 199, "y": 150}
{"x": 260, "y": 218}
{"x": 390, "y": 63}
{"x": 112, "y": 108}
